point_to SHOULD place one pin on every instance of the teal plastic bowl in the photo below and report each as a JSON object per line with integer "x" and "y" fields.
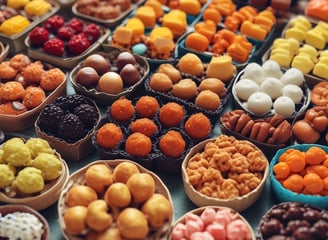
{"x": 284, "y": 195}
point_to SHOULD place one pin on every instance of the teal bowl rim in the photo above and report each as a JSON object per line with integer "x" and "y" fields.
{"x": 283, "y": 194}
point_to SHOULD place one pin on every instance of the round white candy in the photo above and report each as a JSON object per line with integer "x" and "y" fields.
{"x": 272, "y": 69}
{"x": 284, "y": 106}
{"x": 292, "y": 76}
{"x": 246, "y": 87}
{"x": 294, "y": 92}
{"x": 272, "y": 86}
{"x": 255, "y": 72}
{"x": 259, "y": 103}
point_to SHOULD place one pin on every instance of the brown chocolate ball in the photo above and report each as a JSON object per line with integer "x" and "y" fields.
{"x": 87, "y": 77}
{"x": 130, "y": 74}
{"x": 98, "y": 62}
{"x": 124, "y": 58}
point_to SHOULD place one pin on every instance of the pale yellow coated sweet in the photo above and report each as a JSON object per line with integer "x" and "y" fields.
{"x": 38, "y": 145}
{"x": 315, "y": 38}
{"x": 14, "y": 25}
{"x": 303, "y": 62}
{"x": 29, "y": 180}
{"x": 7, "y": 175}
{"x": 49, "y": 164}
{"x": 16, "y": 153}
{"x": 37, "y": 8}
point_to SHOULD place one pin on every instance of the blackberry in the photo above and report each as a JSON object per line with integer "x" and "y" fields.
{"x": 69, "y": 102}
{"x": 49, "y": 118}
{"x": 71, "y": 128}
{"x": 87, "y": 114}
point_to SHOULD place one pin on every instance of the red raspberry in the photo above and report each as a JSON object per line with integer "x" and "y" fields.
{"x": 38, "y": 36}
{"x": 55, "y": 47}
{"x": 65, "y": 32}
{"x": 53, "y": 23}
{"x": 92, "y": 31}
{"x": 76, "y": 24}
{"x": 78, "y": 44}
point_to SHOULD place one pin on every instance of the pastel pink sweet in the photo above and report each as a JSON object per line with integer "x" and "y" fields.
{"x": 238, "y": 230}
{"x": 178, "y": 231}
{"x": 224, "y": 216}
{"x": 217, "y": 230}
{"x": 208, "y": 215}
{"x": 193, "y": 226}
{"x": 195, "y": 218}
{"x": 201, "y": 236}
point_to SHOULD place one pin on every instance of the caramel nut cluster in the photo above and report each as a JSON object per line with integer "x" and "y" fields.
{"x": 227, "y": 168}
{"x": 272, "y": 130}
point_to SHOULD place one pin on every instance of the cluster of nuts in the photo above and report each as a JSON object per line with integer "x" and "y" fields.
{"x": 115, "y": 203}
{"x": 272, "y": 130}
{"x": 227, "y": 168}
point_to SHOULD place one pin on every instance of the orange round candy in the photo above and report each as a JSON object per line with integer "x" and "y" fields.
{"x": 147, "y": 106}
{"x": 198, "y": 126}
{"x": 51, "y": 79}
{"x": 171, "y": 114}
{"x": 12, "y": 91}
{"x": 34, "y": 97}
{"x": 109, "y": 135}
{"x": 122, "y": 110}
{"x": 294, "y": 183}
{"x": 172, "y": 144}
{"x": 138, "y": 144}
{"x": 145, "y": 126}
{"x": 313, "y": 183}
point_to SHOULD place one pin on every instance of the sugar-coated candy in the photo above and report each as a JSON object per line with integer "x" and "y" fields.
{"x": 237, "y": 230}
{"x": 201, "y": 236}
{"x": 208, "y": 216}
{"x": 224, "y": 217}
{"x": 178, "y": 232}
{"x": 193, "y": 226}
{"x": 195, "y": 218}
{"x": 217, "y": 230}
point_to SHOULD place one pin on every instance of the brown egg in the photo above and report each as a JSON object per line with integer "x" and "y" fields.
{"x": 207, "y": 99}
{"x": 160, "y": 82}
{"x": 185, "y": 89}
{"x": 214, "y": 84}
{"x": 110, "y": 82}
{"x": 303, "y": 131}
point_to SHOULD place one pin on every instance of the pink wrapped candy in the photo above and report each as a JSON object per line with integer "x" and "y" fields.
{"x": 212, "y": 224}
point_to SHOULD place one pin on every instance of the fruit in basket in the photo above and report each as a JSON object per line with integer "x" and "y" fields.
{"x": 77, "y": 44}
{"x": 75, "y": 219}
{"x": 53, "y": 23}
{"x": 157, "y": 209}
{"x": 71, "y": 128}
{"x": 38, "y": 36}
{"x": 65, "y": 33}
{"x": 80, "y": 195}
{"x": 132, "y": 223}
{"x": 54, "y": 46}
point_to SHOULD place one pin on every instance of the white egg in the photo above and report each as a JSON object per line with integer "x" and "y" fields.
{"x": 259, "y": 103}
{"x": 292, "y": 76}
{"x": 272, "y": 86}
{"x": 284, "y": 106}
{"x": 272, "y": 69}
{"x": 246, "y": 87}
{"x": 255, "y": 72}
{"x": 293, "y": 91}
